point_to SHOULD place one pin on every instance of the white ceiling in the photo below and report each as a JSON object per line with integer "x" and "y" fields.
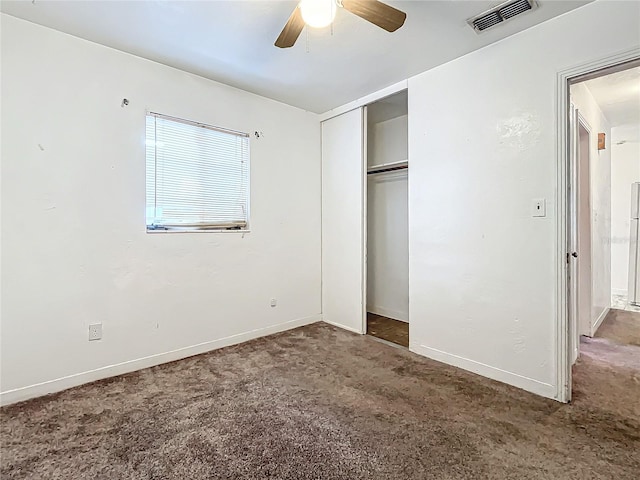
{"x": 232, "y": 41}
{"x": 618, "y": 96}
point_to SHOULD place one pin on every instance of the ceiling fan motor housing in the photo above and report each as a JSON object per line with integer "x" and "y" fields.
{"x": 320, "y": 13}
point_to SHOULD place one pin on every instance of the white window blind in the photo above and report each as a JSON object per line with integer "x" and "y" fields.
{"x": 197, "y": 175}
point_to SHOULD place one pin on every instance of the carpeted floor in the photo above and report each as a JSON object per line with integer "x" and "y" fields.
{"x": 322, "y": 403}
{"x": 621, "y": 327}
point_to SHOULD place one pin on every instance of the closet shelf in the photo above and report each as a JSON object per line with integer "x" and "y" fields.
{"x": 388, "y": 167}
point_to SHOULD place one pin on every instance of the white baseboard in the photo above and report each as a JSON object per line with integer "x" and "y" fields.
{"x": 59, "y": 384}
{"x": 599, "y": 321}
{"x": 510, "y": 378}
{"x": 386, "y": 312}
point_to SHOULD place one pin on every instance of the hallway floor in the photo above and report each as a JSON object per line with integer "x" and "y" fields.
{"x": 606, "y": 376}
{"x": 621, "y": 327}
{"x": 616, "y": 344}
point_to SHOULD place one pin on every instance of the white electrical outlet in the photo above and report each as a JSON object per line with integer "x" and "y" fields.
{"x": 274, "y": 302}
{"x": 95, "y": 331}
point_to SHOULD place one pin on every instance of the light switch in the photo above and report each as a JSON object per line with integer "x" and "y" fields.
{"x": 539, "y": 207}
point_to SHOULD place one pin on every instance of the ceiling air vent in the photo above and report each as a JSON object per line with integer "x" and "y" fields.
{"x": 501, "y": 13}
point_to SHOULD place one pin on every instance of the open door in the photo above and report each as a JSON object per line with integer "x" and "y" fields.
{"x": 572, "y": 257}
{"x": 343, "y": 220}
{"x": 584, "y": 249}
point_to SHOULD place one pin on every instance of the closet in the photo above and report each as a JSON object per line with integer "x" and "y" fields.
{"x": 387, "y": 242}
{"x": 365, "y": 273}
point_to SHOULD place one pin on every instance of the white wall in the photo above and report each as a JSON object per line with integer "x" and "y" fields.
{"x": 625, "y": 169}
{"x": 482, "y": 146}
{"x": 74, "y": 247}
{"x": 600, "y": 203}
{"x": 387, "y": 221}
{"x": 387, "y": 141}
{"x": 388, "y": 245}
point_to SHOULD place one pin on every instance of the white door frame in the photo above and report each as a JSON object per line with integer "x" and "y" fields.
{"x": 365, "y": 213}
{"x": 563, "y": 237}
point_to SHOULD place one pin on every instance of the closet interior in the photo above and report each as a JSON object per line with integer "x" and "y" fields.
{"x": 387, "y": 259}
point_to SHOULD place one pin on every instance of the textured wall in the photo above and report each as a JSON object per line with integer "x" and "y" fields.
{"x": 74, "y": 247}
{"x": 482, "y": 146}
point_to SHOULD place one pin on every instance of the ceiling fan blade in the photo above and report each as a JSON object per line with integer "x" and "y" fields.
{"x": 291, "y": 30}
{"x": 378, "y": 13}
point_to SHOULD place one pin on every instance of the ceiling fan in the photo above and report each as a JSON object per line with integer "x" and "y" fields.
{"x": 320, "y": 13}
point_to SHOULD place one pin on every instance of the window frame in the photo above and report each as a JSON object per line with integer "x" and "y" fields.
{"x": 202, "y": 229}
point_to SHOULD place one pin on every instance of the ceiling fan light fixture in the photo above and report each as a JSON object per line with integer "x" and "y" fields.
{"x": 318, "y": 13}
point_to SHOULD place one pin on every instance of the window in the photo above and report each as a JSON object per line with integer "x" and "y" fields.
{"x": 197, "y": 176}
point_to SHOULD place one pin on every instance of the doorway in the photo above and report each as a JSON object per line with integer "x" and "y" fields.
{"x": 387, "y": 231}
{"x": 604, "y": 113}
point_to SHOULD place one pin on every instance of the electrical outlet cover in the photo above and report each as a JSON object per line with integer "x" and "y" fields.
{"x": 95, "y": 331}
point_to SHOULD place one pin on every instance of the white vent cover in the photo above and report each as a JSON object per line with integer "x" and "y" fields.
{"x": 501, "y": 13}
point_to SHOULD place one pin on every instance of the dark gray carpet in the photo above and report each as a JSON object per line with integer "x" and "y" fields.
{"x": 322, "y": 403}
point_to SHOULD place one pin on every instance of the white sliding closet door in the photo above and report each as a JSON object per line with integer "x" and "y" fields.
{"x": 343, "y": 214}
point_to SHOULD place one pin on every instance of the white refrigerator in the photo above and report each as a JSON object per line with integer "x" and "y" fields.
{"x": 634, "y": 250}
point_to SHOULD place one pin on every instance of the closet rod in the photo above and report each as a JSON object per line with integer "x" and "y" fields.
{"x": 385, "y": 169}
